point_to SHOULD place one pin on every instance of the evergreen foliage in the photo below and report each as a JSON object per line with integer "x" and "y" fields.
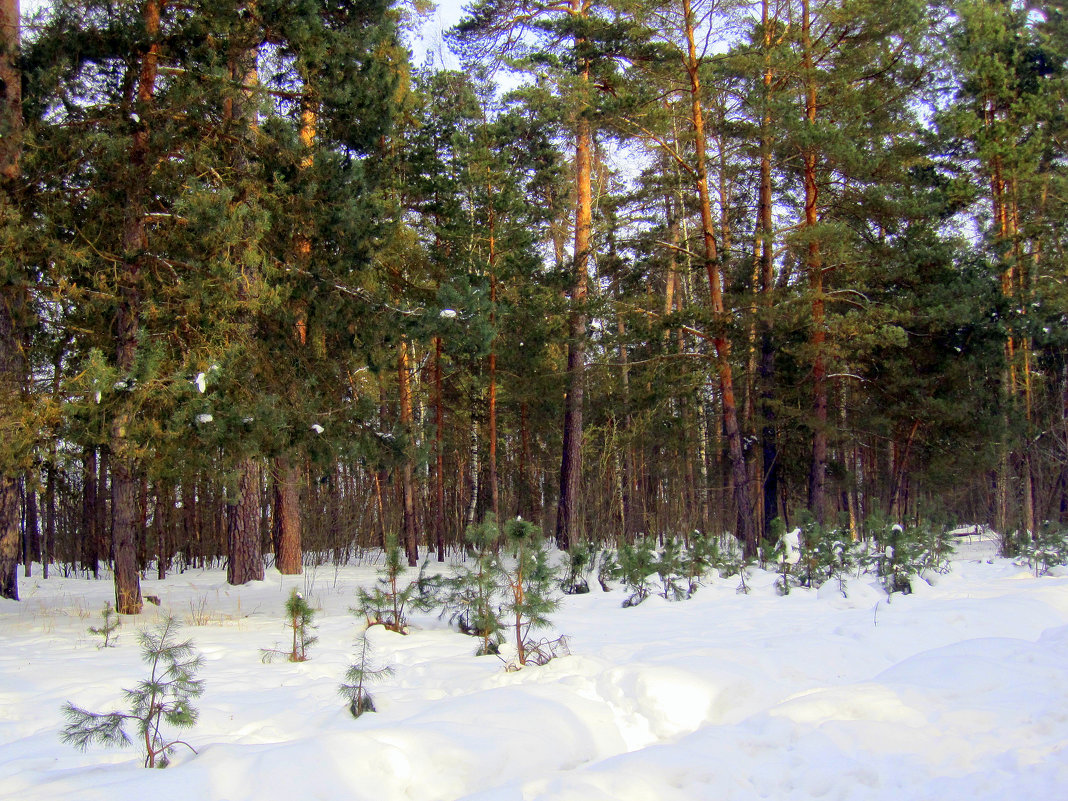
{"x": 1047, "y": 547}
{"x": 299, "y": 616}
{"x": 635, "y": 564}
{"x": 470, "y": 597}
{"x": 107, "y": 629}
{"x": 387, "y": 602}
{"x": 165, "y": 698}
{"x": 359, "y": 675}
{"x": 530, "y": 581}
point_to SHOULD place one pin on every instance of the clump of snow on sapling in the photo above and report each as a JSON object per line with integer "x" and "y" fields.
{"x": 107, "y": 630}
{"x": 529, "y": 584}
{"x": 905, "y": 552}
{"x": 361, "y": 673}
{"x": 165, "y": 698}
{"x": 299, "y": 615}
{"x": 386, "y": 603}
{"x": 787, "y": 555}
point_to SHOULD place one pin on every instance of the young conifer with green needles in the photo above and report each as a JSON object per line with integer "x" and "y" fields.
{"x": 107, "y": 631}
{"x": 386, "y": 603}
{"x": 530, "y": 582}
{"x": 299, "y": 615}
{"x": 361, "y": 673}
{"x": 165, "y": 698}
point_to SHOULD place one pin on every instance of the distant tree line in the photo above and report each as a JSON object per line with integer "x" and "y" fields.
{"x": 269, "y": 295}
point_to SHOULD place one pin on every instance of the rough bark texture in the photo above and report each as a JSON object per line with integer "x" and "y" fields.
{"x": 288, "y": 555}
{"x": 244, "y": 546}
{"x": 124, "y": 479}
{"x": 571, "y": 459}
{"x": 817, "y": 490}
{"x": 10, "y": 352}
{"x": 768, "y": 441}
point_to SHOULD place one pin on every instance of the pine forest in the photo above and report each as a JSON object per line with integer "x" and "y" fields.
{"x": 273, "y": 293}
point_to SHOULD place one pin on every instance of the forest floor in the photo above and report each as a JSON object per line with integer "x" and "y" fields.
{"x": 957, "y": 691}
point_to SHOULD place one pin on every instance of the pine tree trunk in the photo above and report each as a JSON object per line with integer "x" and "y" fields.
{"x": 244, "y": 546}
{"x": 746, "y": 532}
{"x": 766, "y": 369}
{"x": 124, "y": 482}
{"x": 411, "y": 546}
{"x": 288, "y": 554}
{"x": 11, "y": 367}
{"x": 571, "y": 459}
{"x": 49, "y": 542}
{"x": 439, "y": 455}
{"x": 817, "y": 491}
{"x": 31, "y": 535}
{"x": 495, "y": 501}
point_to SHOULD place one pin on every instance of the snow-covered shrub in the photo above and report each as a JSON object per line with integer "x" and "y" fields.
{"x": 165, "y": 698}
{"x": 902, "y": 553}
{"x": 1047, "y": 547}
{"x": 787, "y": 553}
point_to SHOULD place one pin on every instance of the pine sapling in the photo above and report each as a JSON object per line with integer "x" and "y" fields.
{"x": 386, "y": 603}
{"x": 669, "y": 568}
{"x": 530, "y": 583}
{"x": 636, "y": 563}
{"x": 164, "y": 698}
{"x": 578, "y": 563}
{"x": 361, "y": 673}
{"x": 476, "y": 588}
{"x": 700, "y": 558}
{"x": 299, "y": 615}
{"x": 107, "y": 631}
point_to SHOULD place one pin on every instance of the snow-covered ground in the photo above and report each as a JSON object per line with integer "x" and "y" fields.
{"x": 959, "y": 691}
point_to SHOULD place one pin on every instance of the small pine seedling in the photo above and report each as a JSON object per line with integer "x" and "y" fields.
{"x": 107, "y": 631}
{"x": 529, "y": 584}
{"x": 299, "y": 618}
{"x": 164, "y": 698}
{"x": 361, "y": 673}
{"x": 386, "y": 603}
{"x": 636, "y": 563}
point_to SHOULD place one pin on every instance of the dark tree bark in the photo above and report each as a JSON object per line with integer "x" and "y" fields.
{"x": 817, "y": 491}
{"x": 439, "y": 456}
{"x": 11, "y": 362}
{"x": 571, "y": 459}
{"x": 243, "y": 545}
{"x": 411, "y": 546}
{"x": 31, "y": 534}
